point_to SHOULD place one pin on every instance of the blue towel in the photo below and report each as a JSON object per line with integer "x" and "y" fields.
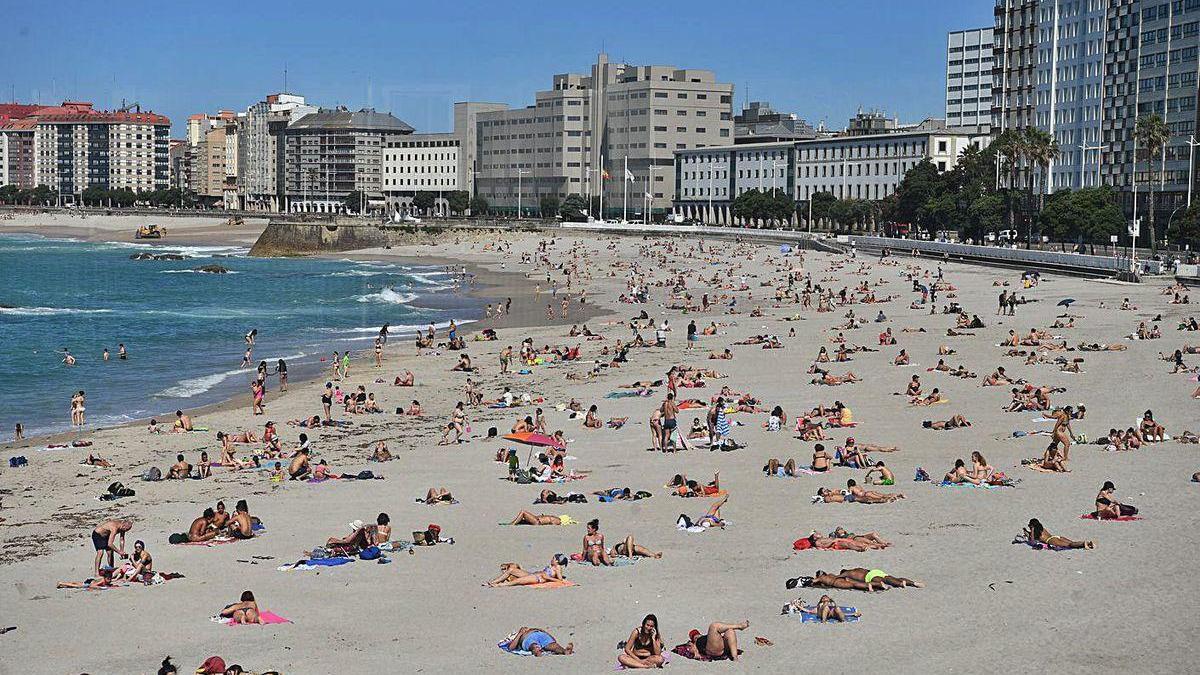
{"x": 810, "y": 617}
{"x": 503, "y": 645}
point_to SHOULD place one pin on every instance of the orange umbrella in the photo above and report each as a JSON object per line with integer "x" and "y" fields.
{"x": 530, "y": 438}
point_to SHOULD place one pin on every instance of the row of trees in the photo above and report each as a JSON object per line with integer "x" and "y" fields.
{"x": 43, "y": 195}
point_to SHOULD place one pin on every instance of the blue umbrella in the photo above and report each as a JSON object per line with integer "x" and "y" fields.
{"x": 1066, "y": 302}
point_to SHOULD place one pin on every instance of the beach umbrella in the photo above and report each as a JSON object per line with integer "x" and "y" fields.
{"x": 540, "y": 440}
{"x": 785, "y": 249}
{"x": 1065, "y": 302}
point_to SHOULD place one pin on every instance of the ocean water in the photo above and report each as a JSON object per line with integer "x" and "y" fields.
{"x": 184, "y": 330}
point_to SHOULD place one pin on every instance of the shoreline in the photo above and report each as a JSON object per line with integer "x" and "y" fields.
{"x": 488, "y": 286}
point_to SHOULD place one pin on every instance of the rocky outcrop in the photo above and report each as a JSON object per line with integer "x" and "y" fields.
{"x": 157, "y": 256}
{"x": 212, "y": 269}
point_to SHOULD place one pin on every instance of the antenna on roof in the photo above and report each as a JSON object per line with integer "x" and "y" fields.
{"x": 285, "y": 89}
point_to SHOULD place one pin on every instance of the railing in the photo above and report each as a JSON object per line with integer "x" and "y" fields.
{"x": 1015, "y": 256}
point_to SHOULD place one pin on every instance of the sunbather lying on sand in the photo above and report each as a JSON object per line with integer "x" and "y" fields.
{"x": 1034, "y": 532}
{"x": 952, "y": 423}
{"x": 537, "y": 642}
{"x": 364, "y": 536}
{"x": 511, "y": 574}
{"x": 527, "y": 518}
{"x": 720, "y": 642}
{"x": 856, "y": 578}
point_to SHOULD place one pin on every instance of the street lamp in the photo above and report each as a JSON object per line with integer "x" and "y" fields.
{"x": 1191, "y": 141}
{"x": 520, "y": 172}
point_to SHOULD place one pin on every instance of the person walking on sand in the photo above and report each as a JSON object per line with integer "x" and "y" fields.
{"x": 566, "y": 303}
{"x": 669, "y": 412}
{"x": 346, "y": 364}
{"x": 505, "y": 358}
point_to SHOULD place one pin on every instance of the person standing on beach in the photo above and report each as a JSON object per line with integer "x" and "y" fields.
{"x": 508, "y": 306}
{"x": 104, "y": 539}
{"x": 566, "y": 303}
{"x": 281, "y": 371}
{"x": 346, "y": 364}
{"x": 669, "y": 412}
{"x": 487, "y": 313}
{"x": 505, "y": 358}
{"x": 378, "y": 353}
{"x": 691, "y": 334}
{"x": 383, "y": 333}
{"x": 337, "y": 365}
{"x": 246, "y": 358}
{"x": 1003, "y": 302}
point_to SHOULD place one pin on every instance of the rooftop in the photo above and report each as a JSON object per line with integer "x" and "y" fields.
{"x": 367, "y": 119}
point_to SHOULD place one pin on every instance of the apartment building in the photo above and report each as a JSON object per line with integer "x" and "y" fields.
{"x": 332, "y": 152}
{"x": 611, "y": 133}
{"x": 73, "y": 146}
{"x": 420, "y": 163}
{"x": 259, "y": 150}
{"x": 1014, "y": 58}
{"x": 969, "y": 78}
{"x": 866, "y": 167}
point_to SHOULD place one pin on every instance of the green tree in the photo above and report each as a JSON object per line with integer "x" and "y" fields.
{"x": 424, "y": 200}
{"x": 122, "y": 197}
{"x": 1040, "y": 150}
{"x": 1104, "y": 216}
{"x": 919, "y": 185}
{"x": 479, "y": 206}
{"x": 94, "y": 196}
{"x": 9, "y": 193}
{"x": 1151, "y": 133}
{"x": 985, "y": 214}
{"x": 548, "y": 204}
{"x": 822, "y": 204}
{"x": 459, "y": 201}
{"x": 749, "y": 205}
{"x": 42, "y": 195}
{"x": 355, "y": 202}
{"x": 574, "y": 209}
{"x": 1185, "y": 228}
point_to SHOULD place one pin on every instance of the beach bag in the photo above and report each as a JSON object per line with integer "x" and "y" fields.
{"x": 370, "y": 553}
{"x": 921, "y": 476}
{"x": 177, "y": 538}
{"x": 18, "y": 461}
{"x": 366, "y": 474}
{"x": 152, "y": 474}
{"x": 119, "y": 490}
{"x": 683, "y": 521}
{"x": 318, "y": 553}
{"x": 523, "y": 477}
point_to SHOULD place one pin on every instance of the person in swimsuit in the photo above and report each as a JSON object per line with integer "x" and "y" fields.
{"x": 644, "y": 648}
{"x": 537, "y": 642}
{"x": 1108, "y": 507}
{"x": 631, "y": 549}
{"x": 959, "y": 474}
{"x": 203, "y": 528}
{"x": 1062, "y": 431}
{"x": 720, "y": 642}
{"x": 527, "y": 518}
{"x": 1035, "y": 532}
{"x": 886, "y": 477}
{"x": 220, "y": 517}
{"x": 243, "y": 611}
{"x": 104, "y": 540}
{"x": 593, "y": 545}
{"x": 180, "y": 469}
{"x": 365, "y": 536}
{"x": 142, "y": 561}
{"x": 820, "y": 459}
{"x": 241, "y": 526}
{"x": 511, "y": 574}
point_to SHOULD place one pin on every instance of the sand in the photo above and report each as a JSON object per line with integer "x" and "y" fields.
{"x": 988, "y": 606}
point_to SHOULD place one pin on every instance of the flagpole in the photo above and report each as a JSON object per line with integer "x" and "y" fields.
{"x": 625, "y": 193}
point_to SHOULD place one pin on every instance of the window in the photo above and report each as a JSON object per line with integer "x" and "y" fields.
{"x": 660, "y": 94}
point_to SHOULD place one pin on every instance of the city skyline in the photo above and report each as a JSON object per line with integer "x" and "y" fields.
{"x": 218, "y": 64}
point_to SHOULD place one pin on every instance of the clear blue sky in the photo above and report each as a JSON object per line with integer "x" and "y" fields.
{"x": 821, "y": 59}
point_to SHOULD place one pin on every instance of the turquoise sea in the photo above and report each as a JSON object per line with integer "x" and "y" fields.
{"x": 183, "y": 329}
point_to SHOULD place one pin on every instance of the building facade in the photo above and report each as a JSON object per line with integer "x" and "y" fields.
{"x": 332, "y": 152}
{"x": 969, "y": 78}
{"x": 1014, "y": 57}
{"x": 72, "y": 147}
{"x": 259, "y": 150}
{"x": 610, "y": 134}
{"x": 420, "y": 163}
{"x": 868, "y": 167}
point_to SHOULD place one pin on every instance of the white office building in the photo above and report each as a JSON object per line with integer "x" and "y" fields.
{"x": 969, "y": 78}
{"x": 420, "y": 163}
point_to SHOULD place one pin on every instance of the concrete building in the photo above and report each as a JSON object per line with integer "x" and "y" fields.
{"x": 333, "y": 152}
{"x": 211, "y": 176}
{"x": 259, "y": 150}
{"x": 421, "y": 163}
{"x": 848, "y": 167}
{"x": 1069, "y": 87}
{"x": 758, "y": 123}
{"x": 180, "y": 164}
{"x": 969, "y": 78}
{"x": 1151, "y": 65}
{"x": 1014, "y": 58}
{"x": 582, "y": 133}
{"x": 73, "y": 146}
{"x": 466, "y": 129}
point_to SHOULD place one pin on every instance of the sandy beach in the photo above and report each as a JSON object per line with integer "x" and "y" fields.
{"x": 988, "y": 605}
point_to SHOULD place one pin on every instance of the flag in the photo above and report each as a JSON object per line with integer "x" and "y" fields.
{"x": 628, "y": 175}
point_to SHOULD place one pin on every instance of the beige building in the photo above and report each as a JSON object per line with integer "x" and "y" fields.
{"x": 260, "y": 150}
{"x": 583, "y": 132}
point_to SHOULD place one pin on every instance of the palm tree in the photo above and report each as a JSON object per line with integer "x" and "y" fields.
{"x": 1151, "y": 133}
{"x": 1040, "y": 150}
{"x": 1011, "y": 147}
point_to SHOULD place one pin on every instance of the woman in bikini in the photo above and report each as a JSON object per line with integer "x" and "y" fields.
{"x": 959, "y": 475}
{"x": 327, "y": 400}
{"x": 243, "y": 611}
{"x": 1107, "y": 506}
{"x": 1062, "y": 431}
{"x": 527, "y": 518}
{"x": 631, "y": 549}
{"x": 980, "y": 469}
{"x": 1036, "y": 533}
{"x": 590, "y": 420}
{"x": 593, "y": 545}
{"x": 720, "y": 642}
{"x": 644, "y": 648}
{"x": 365, "y": 536}
{"x": 511, "y": 574}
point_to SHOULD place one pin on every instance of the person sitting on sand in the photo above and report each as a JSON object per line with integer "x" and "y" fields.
{"x": 300, "y": 468}
{"x": 886, "y": 477}
{"x": 364, "y": 536}
{"x": 774, "y": 467}
{"x": 527, "y": 518}
{"x": 854, "y": 457}
{"x": 202, "y": 528}
{"x": 241, "y": 526}
{"x": 405, "y": 379}
{"x": 1107, "y": 506}
{"x": 718, "y": 643}
{"x": 97, "y": 460}
{"x": 180, "y": 469}
{"x": 1035, "y": 532}
{"x": 464, "y": 364}
{"x": 934, "y": 396}
{"x": 591, "y": 420}
{"x": 594, "y": 551}
{"x": 914, "y": 386}
{"x": 959, "y": 474}
{"x": 182, "y": 422}
{"x": 537, "y": 641}
{"x": 380, "y": 453}
{"x": 644, "y": 648}
{"x": 953, "y": 423}
{"x": 1150, "y": 430}
{"x": 243, "y": 611}
{"x": 980, "y": 469}
{"x": 1052, "y": 459}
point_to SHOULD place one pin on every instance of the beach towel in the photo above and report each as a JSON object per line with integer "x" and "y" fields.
{"x": 1092, "y": 516}
{"x": 211, "y": 542}
{"x": 986, "y": 486}
{"x": 621, "y": 647}
{"x": 267, "y": 618}
{"x": 562, "y": 583}
{"x": 313, "y": 564}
